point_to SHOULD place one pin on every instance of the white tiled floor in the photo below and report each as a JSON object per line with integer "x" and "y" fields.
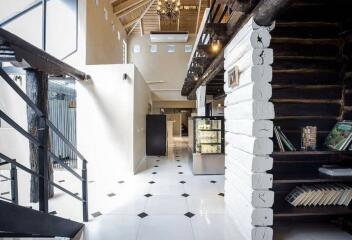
{"x": 166, "y": 207}
{"x": 164, "y": 211}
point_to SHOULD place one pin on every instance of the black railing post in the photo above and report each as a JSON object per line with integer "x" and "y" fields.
{"x": 85, "y": 190}
{"x": 43, "y": 165}
{"x": 14, "y": 184}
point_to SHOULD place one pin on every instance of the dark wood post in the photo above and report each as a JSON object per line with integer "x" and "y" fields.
{"x": 37, "y": 91}
{"x": 14, "y": 184}
{"x": 85, "y": 190}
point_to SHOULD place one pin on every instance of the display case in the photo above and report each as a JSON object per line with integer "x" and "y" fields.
{"x": 208, "y": 135}
{"x": 208, "y": 145}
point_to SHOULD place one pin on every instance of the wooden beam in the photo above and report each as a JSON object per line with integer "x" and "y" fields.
{"x": 142, "y": 15}
{"x": 141, "y": 27}
{"x": 219, "y": 29}
{"x": 178, "y": 23}
{"x": 215, "y": 67}
{"x": 267, "y": 10}
{"x": 131, "y": 9}
{"x": 240, "y": 5}
{"x": 264, "y": 14}
{"x": 126, "y": 5}
{"x": 198, "y": 15}
{"x": 159, "y": 22}
{"x": 133, "y": 22}
{"x": 37, "y": 91}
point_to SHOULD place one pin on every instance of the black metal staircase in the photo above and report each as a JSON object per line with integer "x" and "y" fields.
{"x": 15, "y": 220}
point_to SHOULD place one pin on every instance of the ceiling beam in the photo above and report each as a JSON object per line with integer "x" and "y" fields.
{"x": 135, "y": 21}
{"x": 131, "y": 9}
{"x": 264, "y": 14}
{"x": 198, "y": 15}
{"x": 240, "y": 6}
{"x": 141, "y": 27}
{"x": 126, "y": 5}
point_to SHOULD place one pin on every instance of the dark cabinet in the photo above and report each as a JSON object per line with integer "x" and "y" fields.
{"x": 156, "y": 135}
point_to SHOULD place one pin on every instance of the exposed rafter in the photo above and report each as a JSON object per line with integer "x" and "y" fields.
{"x": 141, "y": 26}
{"x": 131, "y": 9}
{"x": 126, "y": 5}
{"x": 135, "y": 21}
{"x": 198, "y": 15}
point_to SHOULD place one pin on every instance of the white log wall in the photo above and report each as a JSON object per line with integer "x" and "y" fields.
{"x": 249, "y": 130}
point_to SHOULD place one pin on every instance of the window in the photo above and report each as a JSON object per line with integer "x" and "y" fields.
{"x": 113, "y": 26}
{"x": 97, "y": 2}
{"x": 188, "y": 48}
{"x": 124, "y": 52}
{"x": 118, "y": 35}
{"x": 153, "y": 48}
{"x": 106, "y": 14}
{"x": 25, "y": 19}
{"x": 171, "y": 48}
{"x": 136, "y": 48}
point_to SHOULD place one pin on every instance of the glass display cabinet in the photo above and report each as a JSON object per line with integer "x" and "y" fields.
{"x": 208, "y": 135}
{"x": 208, "y": 145}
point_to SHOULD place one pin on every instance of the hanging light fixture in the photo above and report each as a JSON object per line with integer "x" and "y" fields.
{"x": 169, "y": 9}
{"x": 215, "y": 45}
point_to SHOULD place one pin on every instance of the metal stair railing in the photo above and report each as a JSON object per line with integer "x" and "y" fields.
{"x": 43, "y": 153}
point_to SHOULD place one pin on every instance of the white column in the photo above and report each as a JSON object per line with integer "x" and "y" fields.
{"x": 248, "y": 127}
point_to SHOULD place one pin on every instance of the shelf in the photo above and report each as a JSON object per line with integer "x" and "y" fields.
{"x": 210, "y": 130}
{"x": 210, "y": 143}
{"x": 301, "y": 153}
{"x": 290, "y": 211}
{"x": 219, "y": 153}
{"x": 311, "y": 178}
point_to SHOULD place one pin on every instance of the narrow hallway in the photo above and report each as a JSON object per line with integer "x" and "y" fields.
{"x": 166, "y": 201}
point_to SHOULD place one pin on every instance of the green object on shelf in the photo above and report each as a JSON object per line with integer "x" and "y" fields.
{"x": 340, "y": 136}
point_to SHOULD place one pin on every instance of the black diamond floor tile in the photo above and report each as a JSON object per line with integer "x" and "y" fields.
{"x": 111, "y": 195}
{"x": 183, "y": 182}
{"x": 142, "y": 215}
{"x": 96, "y": 214}
{"x": 179, "y": 166}
{"x": 185, "y": 195}
{"x": 151, "y": 182}
{"x": 180, "y": 172}
{"x": 212, "y": 181}
{"x": 178, "y": 160}
{"x": 156, "y": 166}
{"x": 154, "y": 172}
{"x": 189, "y": 214}
{"x": 221, "y": 194}
{"x": 158, "y": 160}
{"x": 148, "y": 195}
{"x": 121, "y": 182}
{"x": 62, "y": 181}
